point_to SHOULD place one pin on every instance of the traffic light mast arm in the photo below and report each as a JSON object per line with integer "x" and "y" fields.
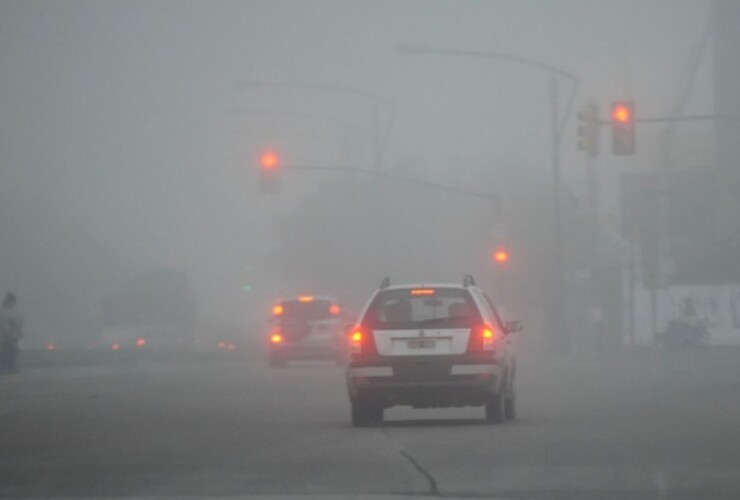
{"x": 492, "y": 197}
{"x": 663, "y": 119}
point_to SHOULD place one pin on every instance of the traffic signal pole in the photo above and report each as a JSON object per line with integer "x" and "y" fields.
{"x": 559, "y": 306}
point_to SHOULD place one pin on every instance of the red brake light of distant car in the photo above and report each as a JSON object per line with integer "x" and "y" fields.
{"x": 116, "y": 347}
{"x": 423, "y": 291}
{"x": 276, "y": 338}
{"x": 334, "y": 309}
{"x": 277, "y": 310}
{"x": 305, "y": 298}
{"x": 50, "y": 347}
{"x": 140, "y": 342}
{"x": 231, "y": 347}
{"x": 221, "y": 345}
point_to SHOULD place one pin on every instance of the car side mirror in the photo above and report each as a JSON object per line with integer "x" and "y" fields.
{"x": 513, "y": 326}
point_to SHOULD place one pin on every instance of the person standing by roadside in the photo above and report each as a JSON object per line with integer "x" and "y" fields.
{"x": 11, "y": 331}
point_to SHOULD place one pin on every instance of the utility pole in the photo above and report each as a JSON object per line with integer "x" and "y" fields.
{"x": 560, "y": 314}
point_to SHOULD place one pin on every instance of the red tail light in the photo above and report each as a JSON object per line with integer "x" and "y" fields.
{"x": 116, "y": 347}
{"x": 140, "y": 342}
{"x": 276, "y": 335}
{"x": 483, "y": 338}
{"x": 356, "y": 340}
{"x": 334, "y": 309}
{"x": 361, "y": 342}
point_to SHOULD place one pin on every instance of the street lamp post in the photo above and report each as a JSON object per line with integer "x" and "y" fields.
{"x": 557, "y": 127}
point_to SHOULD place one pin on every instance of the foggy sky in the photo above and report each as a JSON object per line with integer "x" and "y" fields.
{"x": 117, "y": 118}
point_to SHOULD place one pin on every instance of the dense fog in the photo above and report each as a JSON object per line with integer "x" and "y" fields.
{"x": 131, "y": 133}
{"x": 503, "y": 234}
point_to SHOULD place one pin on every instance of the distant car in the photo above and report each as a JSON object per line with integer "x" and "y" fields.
{"x": 124, "y": 339}
{"x": 307, "y": 327}
{"x": 428, "y": 346}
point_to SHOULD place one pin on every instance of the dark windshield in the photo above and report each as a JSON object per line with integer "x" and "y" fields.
{"x": 307, "y": 310}
{"x": 422, "y": 308}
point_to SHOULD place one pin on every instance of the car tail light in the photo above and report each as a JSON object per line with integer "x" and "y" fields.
{"x": 334, "y": 309}
{"x": 488, "y": 336}
{"x": 276, "y": 338}
{"x": 50, "y": 347}
{"x": 277, "y": 310}
{"x": 116, "y": 347}
{"x": 361, "y": 342}
{"x": 231, "y": 347}
{"x": 305, "y": 298}
{"x": 140, "y": 342}
{"x": 356, "y": 340}
{"x": 483, "y": 338}
{"x": 221, "y": 345}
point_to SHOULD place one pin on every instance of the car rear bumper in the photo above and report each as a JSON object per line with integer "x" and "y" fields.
{"x": 298, "y": 351}
{"x": 426, "y": 382}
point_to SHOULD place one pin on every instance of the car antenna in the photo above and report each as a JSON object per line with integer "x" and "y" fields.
{"x": 385, "y": 283}
{"x": 468, "y": 280}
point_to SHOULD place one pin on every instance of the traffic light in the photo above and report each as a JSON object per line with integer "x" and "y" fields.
{"x": 501, "y": 256}
{"x": 588, "y": 129}
{"x": 623, "y": 127}
{"x": 269, "y": 171}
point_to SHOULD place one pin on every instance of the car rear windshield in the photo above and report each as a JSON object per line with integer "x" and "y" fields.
{"x": 417, "y": 308}
{"x": 313, "y": 310}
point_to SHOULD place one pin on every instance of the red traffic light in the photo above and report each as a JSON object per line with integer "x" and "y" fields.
{"x": 621, "y": 113}
{"x": 269, "y": 160}
{"x": 623, "y": 128}
{"x": 501, "y": 255}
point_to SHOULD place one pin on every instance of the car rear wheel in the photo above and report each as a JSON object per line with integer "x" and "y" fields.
{"x": 510, "y": 407}
{"x": 495, "y": 409}
{"x": 365, "y": 413}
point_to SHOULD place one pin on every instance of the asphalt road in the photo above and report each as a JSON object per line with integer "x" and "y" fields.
{"x": 627, "y": 426}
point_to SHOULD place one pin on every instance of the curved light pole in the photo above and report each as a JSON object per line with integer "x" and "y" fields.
{"x": 379, "y": 141}
{"x": 557, "y": 127}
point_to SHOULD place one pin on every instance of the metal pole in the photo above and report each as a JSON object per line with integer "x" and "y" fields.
{"x": 632, "y": 293}
{"x": 594, "y": 300}
{"x": 560, "y": 318}
{"x": 377, "y": 153}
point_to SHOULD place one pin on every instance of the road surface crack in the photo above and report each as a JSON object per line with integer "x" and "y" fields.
{"x": 432, "y": 491}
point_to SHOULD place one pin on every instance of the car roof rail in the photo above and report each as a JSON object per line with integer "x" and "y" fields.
{"x": 385, "y": 283}
{"x": 468, "y": 280}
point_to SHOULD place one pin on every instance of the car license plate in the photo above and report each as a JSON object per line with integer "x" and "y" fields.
{"x": 421, "y": 344}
